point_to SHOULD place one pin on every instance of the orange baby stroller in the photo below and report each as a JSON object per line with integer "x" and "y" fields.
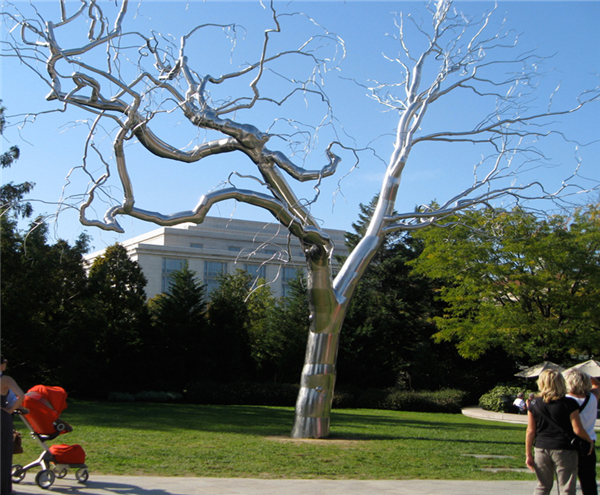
{"x": 45, "y": 404}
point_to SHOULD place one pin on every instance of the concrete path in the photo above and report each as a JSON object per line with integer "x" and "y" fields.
{"x": 478, "y": 413}
{"x": 148, "y": 485}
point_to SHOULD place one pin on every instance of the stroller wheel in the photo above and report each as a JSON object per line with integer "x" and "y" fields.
{"x": 45, "y": 478}
{"x": 17, "y": 473}
{"x": 82, "y": 475}
{"x": 61, "y": 474}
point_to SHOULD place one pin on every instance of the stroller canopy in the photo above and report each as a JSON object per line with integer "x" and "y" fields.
{"x": 45, "y": 405}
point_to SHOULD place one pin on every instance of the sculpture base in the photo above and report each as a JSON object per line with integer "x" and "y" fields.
{"x": 310, "y": 427}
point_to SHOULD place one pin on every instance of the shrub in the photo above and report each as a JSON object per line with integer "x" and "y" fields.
{"x": 151, "y": 396}
{"x": 498, "y": 400}
{"x": 148, "y": 396}
{"x": 283, "y": 394}
{"x": 373, "y": 398}
{"x": 120, "y": 397}
{"x": 262, "y": 394}
{"x": 447, "y": 400}
{"x": 344, "y": 398}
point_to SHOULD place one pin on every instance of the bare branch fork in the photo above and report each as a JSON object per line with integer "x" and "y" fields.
{"x": 456, "y": 59}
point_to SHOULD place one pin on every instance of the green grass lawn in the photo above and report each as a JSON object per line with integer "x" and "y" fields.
{"x": 253, "y": 441}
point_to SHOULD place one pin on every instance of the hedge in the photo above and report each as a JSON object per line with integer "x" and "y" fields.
{"x": 257, "y": 394}
{"x": 450, "y": 401}
{"x": 446, "y": 401}
{"x": 282, "y": 394}
{"x": 492, "y": 400}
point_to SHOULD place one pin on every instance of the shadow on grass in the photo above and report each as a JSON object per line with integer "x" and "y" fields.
{"x": 277, "y": 421}
{"x": 442, "y": 431}
{"x": 458, "y": 424}
{"x": 469, "y": 441}
{"x": 252, "y": 420}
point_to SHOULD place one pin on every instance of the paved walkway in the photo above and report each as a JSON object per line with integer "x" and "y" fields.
{"x": 148, "y": 485}
{"x": 478, "y": 413}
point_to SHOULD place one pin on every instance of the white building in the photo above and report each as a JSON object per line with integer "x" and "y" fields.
{"x": 220, "y": 245}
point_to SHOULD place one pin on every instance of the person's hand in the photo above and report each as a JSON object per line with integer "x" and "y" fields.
{"x": 591, "y": 448}
{"x": 529, "y": 462}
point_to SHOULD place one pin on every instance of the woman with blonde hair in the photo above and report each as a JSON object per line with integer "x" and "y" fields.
{"x": 585, "y": 390}
{"x": 548, "y": 448}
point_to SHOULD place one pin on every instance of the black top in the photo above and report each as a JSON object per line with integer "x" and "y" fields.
{"x": 547, "y": 436}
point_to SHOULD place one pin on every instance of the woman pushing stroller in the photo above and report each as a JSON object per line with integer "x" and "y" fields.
{"x": 7, "y": 385}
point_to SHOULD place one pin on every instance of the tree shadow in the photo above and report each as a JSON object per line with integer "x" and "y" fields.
{"x": 272, "y": 421}
{"x": 251, "y": 420}
{"x": 347, "y": 427}
{"x": 91, "y": 488}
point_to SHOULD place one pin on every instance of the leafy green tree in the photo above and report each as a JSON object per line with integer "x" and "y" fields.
{"x": 177, "y": 342}
{"x": 389, "y": 329}
{"x": 43, "y": 287}
{"x": 265, "y": 341}
{"x": 387, "y": 332}
{"x": 237, "y": 315}
{"x": 227, "y": 336}
{"x": 43, "y": 308}
{"x": 11, "y": 199}
{"x": 287, "y": 330}
{"x": 528, "y": 285}
{"x": 8, "y": 157}
{"x": 119, "y": 313}
{"x": 11, "y": 195}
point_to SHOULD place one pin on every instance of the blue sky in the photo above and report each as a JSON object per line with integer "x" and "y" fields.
{"x": 566, "y": 32}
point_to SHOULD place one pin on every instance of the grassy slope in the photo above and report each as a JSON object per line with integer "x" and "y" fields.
{"x": 253, "y": 441}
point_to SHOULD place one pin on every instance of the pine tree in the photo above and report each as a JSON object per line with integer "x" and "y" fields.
{"x": 179, "y": 347}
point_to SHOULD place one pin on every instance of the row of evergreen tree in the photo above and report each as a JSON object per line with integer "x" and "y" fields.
{"x": 91, "y": 330}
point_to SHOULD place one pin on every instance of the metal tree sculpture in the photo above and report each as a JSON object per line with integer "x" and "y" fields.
{"x": 456, "y": 48}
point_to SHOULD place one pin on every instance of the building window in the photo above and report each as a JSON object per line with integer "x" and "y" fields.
{"x": 169, "y": 265}
{"x": 235, "y": 249}
{"x": 288, "y": 273}
{"x": 212, "y": 271}
{"x": 197, "y": 246}
{"x": 270, "y": 251}
{"x": 257, "y": 271}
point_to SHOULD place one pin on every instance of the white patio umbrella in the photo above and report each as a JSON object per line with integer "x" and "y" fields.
{"x": 590, "y": 367}
{"x": 536, "y": 370}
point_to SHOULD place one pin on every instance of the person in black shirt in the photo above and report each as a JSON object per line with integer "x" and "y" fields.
{"x": 553, "y": 450}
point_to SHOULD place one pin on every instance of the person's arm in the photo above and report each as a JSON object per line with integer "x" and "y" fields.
{"x": 12, "y": 385}
{"x": 579, "y": 430}
{"x": 595, "y": 387}
{"x": 529, "y": 439}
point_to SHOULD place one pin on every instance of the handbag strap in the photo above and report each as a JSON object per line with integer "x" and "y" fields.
{"x": 587, "y": 399}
